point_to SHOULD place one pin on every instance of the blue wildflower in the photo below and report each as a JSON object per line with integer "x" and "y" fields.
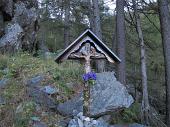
{"x": 85, "y": 77}
{"x": 89, "y": 76}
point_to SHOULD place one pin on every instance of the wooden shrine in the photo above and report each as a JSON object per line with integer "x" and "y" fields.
{"x": 87, "y": 47}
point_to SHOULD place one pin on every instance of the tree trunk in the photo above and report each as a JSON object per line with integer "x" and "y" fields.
{"x": 67, "y": 24}
{"x": 165, "y": 31}
{"x": 97, "y": 30}
{"x": 145, "y": 101}
{"x": 114, "y": 45}
{"x": 90, "y": 14}
{"x": 120, "y": 38}
{"x": 1, "y": 24}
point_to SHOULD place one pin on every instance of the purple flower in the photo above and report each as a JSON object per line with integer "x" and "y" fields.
{"x": 88, "y": 76}
{"x": 85, "y": 77}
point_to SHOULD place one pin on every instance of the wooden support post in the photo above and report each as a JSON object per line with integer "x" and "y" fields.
{"x": 86, "y": 91}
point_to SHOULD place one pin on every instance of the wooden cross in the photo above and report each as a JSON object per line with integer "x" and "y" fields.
{"x": 87, "y": 52}
{"x": 87, "y": 47}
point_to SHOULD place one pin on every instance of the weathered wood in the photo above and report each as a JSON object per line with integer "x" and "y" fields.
{"x": 88, "y": 46}
{"x": 86, "y": 91}
{"x": 86, "y": 52}
{"x": 86, "y": 37}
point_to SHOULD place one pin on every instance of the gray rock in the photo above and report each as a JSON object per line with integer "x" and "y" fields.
{"x": 12, "y": 38}
{"x": 49, "y": 90}
{"x": 40, "y": 124}
{"x": 86, "y": 122}
{"x": 71, "y": 107}
{"x": 27, "y": 17}
{"x": 63, "y": 122}
{"x": 3, "y": 83}
{"x": 38, "y": 95}
{"x": 106, "y": 95}
{"x": 2, "y": 101}
{"x": 41, "y": 98}
{"x": 106, "y": 118}
{"x": 137, "y": 125}
{"x": 8, "y": 7}
{"x": 23, "y": 15}
{"x": 35, "y": 81}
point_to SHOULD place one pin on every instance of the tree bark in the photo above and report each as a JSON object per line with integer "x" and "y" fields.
{"x": 90, "y": 14}
{"x": 165, "y": 31}
{"x": 67, "y": 23}
{"x": 145, "y": 101}
{"x": 1, "y": 24}
{"x": 97, "y": 30}
{"x": 120, "y": 38}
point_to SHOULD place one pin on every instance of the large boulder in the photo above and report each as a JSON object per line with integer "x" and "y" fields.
{"x": 12, "y": 38}
{"x": 26, "y": 15}
{"x": 107, "y": 95}
{"x": 23, "y": 15}
{"x": 18, "y": 25}
{"x": 42, "y": 98}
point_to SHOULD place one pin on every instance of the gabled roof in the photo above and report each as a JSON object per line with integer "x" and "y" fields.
{"x": 96, "y": 40}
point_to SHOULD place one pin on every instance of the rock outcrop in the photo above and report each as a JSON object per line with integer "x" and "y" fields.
{"x": 37, "y": 93}
{"x": 18, "y": 25}
{"x": 107, "y": 95}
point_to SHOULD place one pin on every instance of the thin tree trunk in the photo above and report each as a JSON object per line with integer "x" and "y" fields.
{"x": 97, "y": 30}
{"x": 90, "y": 14}
{"x": 67, "y": 23}
{"x": 114, "y": 44}
{"x": 120, "y": 38}
{"x": 1, "y": 24}
{"x": 145, "y": 101}
{"x": 165, "y": 31}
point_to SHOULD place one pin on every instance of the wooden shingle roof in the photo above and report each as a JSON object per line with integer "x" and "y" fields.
{"x": 88, "y": 35}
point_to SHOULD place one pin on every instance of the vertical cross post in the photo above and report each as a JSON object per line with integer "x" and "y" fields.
{"x": 86, "y": 91}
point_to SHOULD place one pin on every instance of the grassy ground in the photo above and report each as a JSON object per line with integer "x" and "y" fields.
{"x": 19, "y": 108}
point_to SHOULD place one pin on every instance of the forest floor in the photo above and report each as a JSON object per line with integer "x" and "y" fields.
{"x": 19, "y": 74}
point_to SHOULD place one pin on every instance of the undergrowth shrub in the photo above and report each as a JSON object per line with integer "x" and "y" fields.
{"x": 24, "y": 112}
{"x": 130, "y": 115}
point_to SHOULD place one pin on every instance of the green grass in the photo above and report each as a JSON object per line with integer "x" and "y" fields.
{"x": 23, "y": 66}
{"x": 130, "y": 115}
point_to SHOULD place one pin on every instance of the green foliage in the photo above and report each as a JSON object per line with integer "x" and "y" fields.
{"x": 23, "y": 66}
{"x": 4, "y": 61}
{"x": 67, "y": 72}
{"x": 24, "y": 113}
{"x": 130, "y": 115}
{"x": 12, "y": 90}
